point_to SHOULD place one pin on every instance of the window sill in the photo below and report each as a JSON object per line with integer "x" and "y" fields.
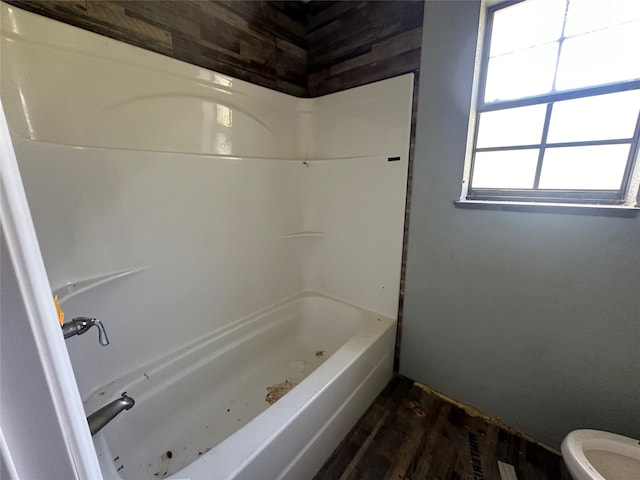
{"x": 562, "y": 208}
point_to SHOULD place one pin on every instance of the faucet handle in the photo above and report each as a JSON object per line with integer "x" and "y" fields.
{"x": 79, "y": 325}
{"x": 102, "y": 333}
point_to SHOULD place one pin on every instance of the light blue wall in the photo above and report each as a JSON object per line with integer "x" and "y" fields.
{"x": 531, "y": 317}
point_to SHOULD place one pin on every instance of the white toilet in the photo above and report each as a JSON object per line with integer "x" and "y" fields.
{"x": 597, "y": 455}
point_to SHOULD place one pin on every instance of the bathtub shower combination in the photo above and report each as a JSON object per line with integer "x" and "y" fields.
{"x": 203, "y": 410}
{"x": 242, "y": 248}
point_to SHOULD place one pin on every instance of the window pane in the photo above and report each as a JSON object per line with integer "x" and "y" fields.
{"x": 599, "y": 167}
{"x": 588, "y": 15}
{"x": 521, "y": 74}
{"x": 505, "y": 169}
{"x": 595, "y": 118}
{"x": 513, "y": 126}
{"x": 525, "y": 25}
{"x": 604, "y": 56}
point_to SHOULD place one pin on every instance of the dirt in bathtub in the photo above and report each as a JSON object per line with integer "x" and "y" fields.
{"x": 165, "y": 458}
{"x": 276, "y": 391}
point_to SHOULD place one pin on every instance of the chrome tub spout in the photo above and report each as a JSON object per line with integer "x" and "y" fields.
{"x": 100, "y": 418}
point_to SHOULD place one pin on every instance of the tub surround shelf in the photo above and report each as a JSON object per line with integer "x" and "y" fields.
{"x": 304, "y": 234}
{"x": 71, "y": 289}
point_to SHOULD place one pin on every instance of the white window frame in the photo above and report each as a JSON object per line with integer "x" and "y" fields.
{"x": 627, "y": 197}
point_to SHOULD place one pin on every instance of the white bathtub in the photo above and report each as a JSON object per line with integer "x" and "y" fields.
{"x": 201, "y": 412}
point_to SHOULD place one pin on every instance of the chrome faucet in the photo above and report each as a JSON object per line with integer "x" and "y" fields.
{"x": 79, "y": 325}
{"x": 100, "y": 418}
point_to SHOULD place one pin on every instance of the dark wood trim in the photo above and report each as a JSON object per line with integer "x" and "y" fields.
{"x": 405, "y": 238}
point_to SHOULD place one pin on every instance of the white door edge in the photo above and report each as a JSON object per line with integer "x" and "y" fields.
{"x": 22, "y": 243}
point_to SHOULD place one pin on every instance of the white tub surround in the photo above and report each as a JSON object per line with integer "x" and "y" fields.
{"x": 171, "y": 202}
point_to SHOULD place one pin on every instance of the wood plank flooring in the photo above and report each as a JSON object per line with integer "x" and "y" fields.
{"x": 412, "y": 434}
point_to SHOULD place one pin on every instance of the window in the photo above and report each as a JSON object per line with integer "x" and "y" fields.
{"x": 557, "y": 118}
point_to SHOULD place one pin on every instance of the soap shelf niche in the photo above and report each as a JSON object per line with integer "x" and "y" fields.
{"x": 304, "y": 234}
{"x": 71, "y": 289}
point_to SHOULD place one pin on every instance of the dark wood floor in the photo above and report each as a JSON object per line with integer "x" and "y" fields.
{"x": 410, "y": 433}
